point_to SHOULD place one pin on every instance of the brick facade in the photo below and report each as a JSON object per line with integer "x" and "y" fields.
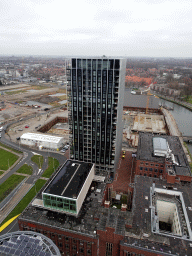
{"x": 69, "y": 243}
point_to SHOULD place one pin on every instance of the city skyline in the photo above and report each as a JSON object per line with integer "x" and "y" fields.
{"x": 140, "y": 28}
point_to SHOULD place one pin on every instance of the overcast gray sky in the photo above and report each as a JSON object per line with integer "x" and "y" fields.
{"x": 156, "y": 28}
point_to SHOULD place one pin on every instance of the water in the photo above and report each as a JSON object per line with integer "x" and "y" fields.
{"x": 183, "y": 118}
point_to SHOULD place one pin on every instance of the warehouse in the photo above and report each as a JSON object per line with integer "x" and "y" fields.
{"x": 42, "y": 141}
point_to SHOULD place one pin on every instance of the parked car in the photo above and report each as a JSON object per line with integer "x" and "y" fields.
{"x": 63, "y": 150}
{"x": 18, "y": 138}
{"x": 20, "y": 129}
{"x": 26, "y": 126}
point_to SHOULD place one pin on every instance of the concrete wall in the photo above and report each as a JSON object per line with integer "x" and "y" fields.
{"x": 119, "y": 126}
{"x": 85, "y": 189}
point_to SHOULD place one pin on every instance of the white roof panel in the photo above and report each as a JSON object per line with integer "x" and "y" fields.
{"x": 41, "y": 137}
{"x": 159, "y": 144}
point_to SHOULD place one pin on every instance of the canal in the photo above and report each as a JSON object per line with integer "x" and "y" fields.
{"x": 183, "y": 118}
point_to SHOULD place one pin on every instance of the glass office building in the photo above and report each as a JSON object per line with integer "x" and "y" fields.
{"x": 95, "y": 104}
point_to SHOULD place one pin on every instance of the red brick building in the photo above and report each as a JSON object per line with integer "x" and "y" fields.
{"x": 171, "y": 164}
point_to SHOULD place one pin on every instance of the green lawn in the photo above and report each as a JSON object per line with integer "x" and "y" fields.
{"x": 38, "y": 159}
{"x": 26, "y": 169}
{"x": 124, "y": 199}
{"x": 188, "y": 99}
{"x": 14, "y": 92}
{"x": 190, "y": 164}
{"x": 1, "y": 172}
{"x": 25, "y": 201}
{"x": 14, "y": 150}
{"x": 117, "y": 205}
{"x": 7, "y": 186}
{"x": 7, "y": 159}
{"x": 52, "y": 166}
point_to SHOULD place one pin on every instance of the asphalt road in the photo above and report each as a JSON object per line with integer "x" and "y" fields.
{"x": 27, "y": 154}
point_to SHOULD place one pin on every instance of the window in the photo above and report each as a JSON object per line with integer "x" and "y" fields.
{"x": 82, "y": 250}
{"x": 141, "y": 168}
{"x": 146, "y": 163}
{"x": 109, "y": 249}
{"x": 146, "y": 169}
{"x": 88, "y": 252}
{"x": 66, "y": 238}
{"x": 150, "y": 169}
{"x": 156, "y": 170}
{"x": 66, "y": 246}
{"x": 60, "y": 244}
{"x": 161, "y": 171}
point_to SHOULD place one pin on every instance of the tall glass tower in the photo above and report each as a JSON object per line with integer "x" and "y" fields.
{"x": 95, "y": 104}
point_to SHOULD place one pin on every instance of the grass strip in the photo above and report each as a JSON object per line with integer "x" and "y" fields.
{"x": 26, "y": 200}
{"x": 7, "y": 159}
{"x": 1, "y": 172}
{"x": 38, "y": 159}
{"x": 14, "y": 150}
{"x": 26, "y": 169}
{"x": 15, "y": 92}
{"x": 190, "y": 164}
{"x": 7, "y": 186}
{"x": 52, "y": 166}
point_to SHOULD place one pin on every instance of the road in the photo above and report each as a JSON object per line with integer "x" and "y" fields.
{"x": 26, "y": 159}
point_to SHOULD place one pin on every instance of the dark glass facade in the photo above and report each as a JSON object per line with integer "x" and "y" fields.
{"x": 94, "y": 88}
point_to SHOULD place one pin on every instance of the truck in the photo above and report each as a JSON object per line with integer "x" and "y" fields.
{"x": 1, "y": 128}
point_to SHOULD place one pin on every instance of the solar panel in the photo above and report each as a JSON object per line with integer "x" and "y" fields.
{"x": 17, "y": 252}
{"x": 29, "y": 244}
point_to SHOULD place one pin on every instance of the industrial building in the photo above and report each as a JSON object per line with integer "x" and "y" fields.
{"x": 95, "y": 95}
{"x": 67, "y": 190}
{"x": 159, "y": 222}
{"x": 42, "y": 141}
{"x": 162, "y": 157}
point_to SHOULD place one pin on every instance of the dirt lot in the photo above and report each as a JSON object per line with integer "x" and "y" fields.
{"x": 14, "y": 101}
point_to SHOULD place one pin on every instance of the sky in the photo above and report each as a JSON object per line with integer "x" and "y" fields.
{"x": 148, "y": 28}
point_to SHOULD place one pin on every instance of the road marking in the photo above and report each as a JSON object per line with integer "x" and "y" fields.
{"x": 34, "y": 153}
{"x": 8, "y": 223}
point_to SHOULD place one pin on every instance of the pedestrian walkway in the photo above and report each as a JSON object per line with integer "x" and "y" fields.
{"x": 174, "y": 130}
{"x": 125, "y": 174}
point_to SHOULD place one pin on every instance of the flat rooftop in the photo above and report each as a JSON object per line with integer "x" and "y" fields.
{"x": 69, "y": 180}
{"x": 145, "y": 149}
{"x": 141, "y": 235}
{"x": 41, "y": 137}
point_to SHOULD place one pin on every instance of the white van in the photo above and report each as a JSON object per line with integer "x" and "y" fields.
{"x": 1, "y": 128}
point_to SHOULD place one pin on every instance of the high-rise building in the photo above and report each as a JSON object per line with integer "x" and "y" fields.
{"x": 95, "y": 96}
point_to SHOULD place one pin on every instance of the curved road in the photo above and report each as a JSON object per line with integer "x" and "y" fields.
{"x": 27, "y": 154}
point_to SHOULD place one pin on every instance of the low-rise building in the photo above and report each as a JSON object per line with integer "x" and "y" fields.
{"x": 162, "y": 157}
{"x": 42, "y": 141}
